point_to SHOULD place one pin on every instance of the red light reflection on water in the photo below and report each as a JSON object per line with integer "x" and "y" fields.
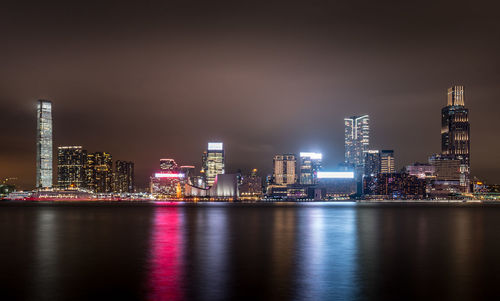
{"x": 166, "y": 255}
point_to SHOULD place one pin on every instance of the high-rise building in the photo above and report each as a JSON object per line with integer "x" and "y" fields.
{"x": 124, "y": 176}
{"x": 44, "y": 144}
{"x": 168, "y": 164}
{"x": 372, "y": 163}
{"x": 455, "y": 131}
{"x": 310, "y": 164}
{"x": 357, "y": 139}
{"x": 213, "y": 162}
{"x": 99, "y": 172}
{"x": 387, "y": 161}
{"x": 70, "y": 167}
{"x": 170, "y": 181}
{"x": 88, "y": 169}
{"x": 285, "y": 166}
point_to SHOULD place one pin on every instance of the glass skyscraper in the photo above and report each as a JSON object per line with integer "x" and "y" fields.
{"x": 44, "y": 144}
{"x": 213, "y": 162}
{"x": 310, "y": 164}
{"x": 357, "y": 139}
{"x": 372, "y": 163}
{"x": 455, "y": 131}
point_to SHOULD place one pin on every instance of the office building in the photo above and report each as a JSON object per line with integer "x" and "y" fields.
{"x": 70, "y": 167}
{"x": 251, "y": 186}
{"x": 446, "y": 167}
{"x": 213, "y": 162}
{"x": 285, "y": 167}
{"x": 394, "y": 186}
{"x": 387, "y": 161}
{"x": 44, "y": 144}
{"x": 124, "y": 177}
{"x": 99, "y": 172}
{"x": 310, "y": 164}
{"x": 169, "y": 182}
{"x": 357, "y": 139}
{"x": 168, "y": 164}
{"x": 455, "y": 131}
{"x": 372, "y": 163}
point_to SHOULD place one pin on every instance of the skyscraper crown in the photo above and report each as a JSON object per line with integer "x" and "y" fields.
{"x": 456, "y": 96}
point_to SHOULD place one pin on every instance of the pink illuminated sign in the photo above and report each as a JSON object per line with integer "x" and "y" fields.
{"x": 169, "y": 175}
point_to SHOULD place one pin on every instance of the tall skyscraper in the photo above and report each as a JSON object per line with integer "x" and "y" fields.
{"x": 455, "y": 131}
{"x": 213, "y": 162}
{"x": 124, "y": 176}
{"x": 357, "y": 139}
{"x": 70, "y": 167}
{"x": 44, "y": 144}
{"x": 285, "y": 166}
{"x": 372, "y": 163}
{"x": 387, "y": 161}
{"x": 310, "y": 164}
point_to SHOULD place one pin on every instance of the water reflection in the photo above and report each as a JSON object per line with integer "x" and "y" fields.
{"x": 251, "y": 252}
{"x": 218, "y": 252}
{"x": 166, "y": 260}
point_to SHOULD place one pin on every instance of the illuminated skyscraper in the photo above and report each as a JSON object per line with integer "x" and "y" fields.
{"x": 285, "y": 167}
{"x": 99, "y": 172}
{"x": 357, "y": 139}
{"x": 213, "y": 162}
{"x": 387, "y": 161}
{"x": 70, "y": 167}
{"x": 124, "y": 176}
{"x": 310, "y": 164}
{"x": 372, "y": 163}
{"x": 44, "y": 144}
{"x": 455, "y": 131}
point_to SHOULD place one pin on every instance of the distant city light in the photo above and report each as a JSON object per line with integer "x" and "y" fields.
{"x": 335, "y": 175}
{"x": 314, "y": 156}
{"x": 215, "y": 146}
{"x": 169, "y": 175}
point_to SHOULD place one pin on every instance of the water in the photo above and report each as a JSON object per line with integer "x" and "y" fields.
{"x": 249, "y": 252}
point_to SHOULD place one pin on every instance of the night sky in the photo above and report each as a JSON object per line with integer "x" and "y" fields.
{"x": 148, "y": 80}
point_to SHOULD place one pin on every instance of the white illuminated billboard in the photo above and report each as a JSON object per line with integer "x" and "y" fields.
{"x": 335, "y": 175}
{"x": 314, "y": 156}
{"x": 215, "y": 146}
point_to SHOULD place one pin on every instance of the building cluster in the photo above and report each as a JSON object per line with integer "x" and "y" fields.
{"x": 364, "y": 173}
{"x": 95, "y": 172}
{"x": 77, "y": 169}
{"x": 446, "y": 175}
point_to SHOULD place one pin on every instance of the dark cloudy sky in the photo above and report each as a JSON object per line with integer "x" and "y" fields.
{"x": 146, "y": 80}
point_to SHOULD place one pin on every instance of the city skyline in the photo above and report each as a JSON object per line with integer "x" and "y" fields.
{"x": 364, "y": 128}
{"x": 268, "y": 79}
